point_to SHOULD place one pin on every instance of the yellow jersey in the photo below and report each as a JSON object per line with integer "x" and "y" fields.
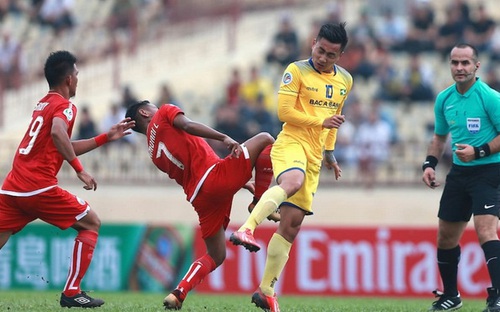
{"x": 307, "y": 97}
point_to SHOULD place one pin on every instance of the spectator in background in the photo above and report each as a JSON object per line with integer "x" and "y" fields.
{"x": 33, "y": 10}
{"x": 124, "y": 19}
{"x": 285, "y": 47}
{"x": 11, "y": 62}
{"x": 361, "y": 54}
{"x": 480, "y": 30}
{"x": 4, "y": 9}
{"x": 57, "y": 14}
{"x": 228, "y": 120}
{"x": 305, "y": 49}
{"x": 114, "y": 115}
{"x": 233, "y": 88}
{"x": 354, "y": 110}
{"x": 363, "y": 31}
{"x": 165, "y": 96}
{"x": 358, "y": 61}
{"x": 152, "y": 18}
{"x": 495, "y": 45}
{"x": 450, "y": 32}
{"x": 128, "y": 98}
{"x": 422, "y": 32}
{"x": 463, "y": 7}
{"x": 86, "y": 127}
{"x": 492, "y": 79}
{"x": 9, "y": 7}
{"x": 259, "y": 119}
{"x": 386, "y": 114}
{"x": 373, "y": 142}
{"x": 123, "y": 15}
{"x": 417, "y": 81}
{"x": 334, "y": 11}
{"x": 391, "y": 30}
{"x": 344, "y": 148}
{"x": 258, "y": 85}
{"x": 389, "y": 83}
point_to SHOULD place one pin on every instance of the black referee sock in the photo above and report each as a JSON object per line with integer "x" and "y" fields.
{"x": 448, "y": 267}
{"x": 492, "y": 255}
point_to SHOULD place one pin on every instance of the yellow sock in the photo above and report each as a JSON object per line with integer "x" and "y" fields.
{"x": 277, "y": 256}
{"x": 268, "y": 203}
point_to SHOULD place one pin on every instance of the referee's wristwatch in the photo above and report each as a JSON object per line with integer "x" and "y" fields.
{"x": 482, "y": 152}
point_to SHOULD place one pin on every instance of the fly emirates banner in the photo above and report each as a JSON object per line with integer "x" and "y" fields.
{"x": 344, "y": 261}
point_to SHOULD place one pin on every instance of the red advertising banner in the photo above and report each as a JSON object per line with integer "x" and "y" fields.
{"x": 350, "y": 261}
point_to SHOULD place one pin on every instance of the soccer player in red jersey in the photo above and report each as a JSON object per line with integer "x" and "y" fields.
{"x": 177, "y": 147}
{"x": 30, "y": 191}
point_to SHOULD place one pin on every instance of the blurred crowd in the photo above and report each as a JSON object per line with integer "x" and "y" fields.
{"x": 376, "y": 39}
{"x": 32, "y": 28}
{"x": 378, "y": 36}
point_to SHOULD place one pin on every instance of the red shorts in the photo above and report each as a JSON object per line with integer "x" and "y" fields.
{"x": 55, "y": 206}
{"x": 214, "y": 200}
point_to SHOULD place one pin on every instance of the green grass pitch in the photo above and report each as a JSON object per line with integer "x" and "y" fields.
{"x": 33, "y": 301}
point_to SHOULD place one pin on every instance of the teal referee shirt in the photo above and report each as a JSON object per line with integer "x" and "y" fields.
{"x": 472, "y": 118}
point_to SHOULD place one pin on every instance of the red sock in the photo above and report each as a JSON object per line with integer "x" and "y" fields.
{"x": 263, "y": 173}
{"x": 83, "y": 250}
{"x": 196, "y": 273}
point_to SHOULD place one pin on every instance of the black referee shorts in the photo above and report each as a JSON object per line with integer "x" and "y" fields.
{"x": 470, "y": 190}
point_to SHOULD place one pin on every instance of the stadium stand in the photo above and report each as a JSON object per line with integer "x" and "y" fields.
{"x": 194, "y": 51}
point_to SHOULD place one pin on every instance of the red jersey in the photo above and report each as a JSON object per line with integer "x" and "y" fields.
{"x": 184, "y": 157}
{"x": 37, "y": 160}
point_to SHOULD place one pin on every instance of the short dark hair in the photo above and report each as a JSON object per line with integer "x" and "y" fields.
{"x": 132, "y": 112}
{"x": 463, "y": 45}
{"x": 335, "y": 33}
{"x": 58, "y": 65}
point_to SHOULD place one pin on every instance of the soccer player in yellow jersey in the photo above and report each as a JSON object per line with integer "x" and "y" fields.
{"x": 310, "y": 101}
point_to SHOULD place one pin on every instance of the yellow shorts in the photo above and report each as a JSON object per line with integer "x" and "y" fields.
{"x": 288, "y": 154}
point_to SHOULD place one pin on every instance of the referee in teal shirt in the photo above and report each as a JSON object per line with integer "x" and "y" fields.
{"x": 469, "y": 110}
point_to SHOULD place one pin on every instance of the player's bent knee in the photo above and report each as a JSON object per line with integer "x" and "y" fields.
{"x": 291, "y": 186}
{"x": 90, "y": 222}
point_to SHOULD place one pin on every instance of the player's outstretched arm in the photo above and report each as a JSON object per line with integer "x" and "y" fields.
{"x": 116, "y": 132}
{"x": 204, "y": 131}
{"x": 121, "y": 129}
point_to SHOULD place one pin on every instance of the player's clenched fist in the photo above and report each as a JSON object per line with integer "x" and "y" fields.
{"x": 334, "y": 121}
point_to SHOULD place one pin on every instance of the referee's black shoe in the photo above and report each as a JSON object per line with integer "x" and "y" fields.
{"x": 493, "y": 301}
{"x": 446, "y": 303}
{"x": 81, "y": 300}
